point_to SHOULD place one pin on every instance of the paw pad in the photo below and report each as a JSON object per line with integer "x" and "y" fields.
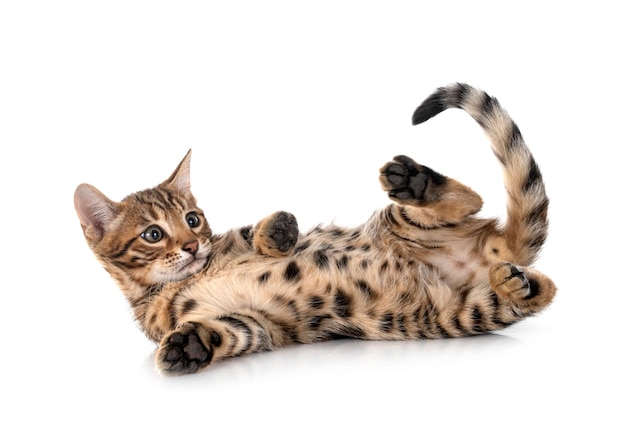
{"x": 183, "y": 353}
{"x": 405, "y": 179}
{"x": 283, "y": 230}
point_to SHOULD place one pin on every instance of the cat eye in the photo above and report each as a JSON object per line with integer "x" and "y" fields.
{"x": 152, "y": 234}
{"x": 192, "y": 220}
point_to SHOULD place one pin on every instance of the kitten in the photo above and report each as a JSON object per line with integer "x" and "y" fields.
{"x": 423, "y": 267}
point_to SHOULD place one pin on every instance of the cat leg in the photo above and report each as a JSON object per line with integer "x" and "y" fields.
{"x": 276, "y": 235}
{"x": 194, "y": 345}
{"x": 436, "y": 199}
{"x": 528, "y": 290}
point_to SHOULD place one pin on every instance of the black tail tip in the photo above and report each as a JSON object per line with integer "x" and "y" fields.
{"x": 443, "y": 98}
{"x": 430, "y": 107}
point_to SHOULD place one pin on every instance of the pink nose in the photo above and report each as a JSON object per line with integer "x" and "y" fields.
{"x": 191, "y": 246}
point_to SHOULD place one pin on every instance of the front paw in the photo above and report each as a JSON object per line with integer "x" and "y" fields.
{"x": 276, "y": 235}
{"x": 183, "y": 351}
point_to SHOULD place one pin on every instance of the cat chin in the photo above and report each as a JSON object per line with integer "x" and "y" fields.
{"x": 194, "y": 266}
{"x": 191, "y": 268}
{"x": 182, "y": 273}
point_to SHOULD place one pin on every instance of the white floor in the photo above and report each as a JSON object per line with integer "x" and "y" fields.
{"x": 292, "y": 107}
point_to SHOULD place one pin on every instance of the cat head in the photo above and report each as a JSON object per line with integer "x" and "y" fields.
{"x": 154, "y": 236}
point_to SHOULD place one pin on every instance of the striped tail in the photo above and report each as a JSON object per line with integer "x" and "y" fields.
{"x": 527, "y": 206}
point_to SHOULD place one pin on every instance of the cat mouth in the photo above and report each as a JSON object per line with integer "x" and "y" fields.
{"x": 194, "y": 265}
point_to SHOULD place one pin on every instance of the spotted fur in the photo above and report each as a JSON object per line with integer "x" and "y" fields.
{"x": 423, "y": 267}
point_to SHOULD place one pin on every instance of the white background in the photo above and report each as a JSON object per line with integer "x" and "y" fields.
{"x": 295, "y": 105}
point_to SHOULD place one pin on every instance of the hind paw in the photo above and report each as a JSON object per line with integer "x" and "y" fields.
{"x": 406, "y": 181}
{"x": 510, "y": 281}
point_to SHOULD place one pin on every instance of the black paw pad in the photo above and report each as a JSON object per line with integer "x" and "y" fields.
{"x": 185, "y": 353}
{"x": 283, "y": 230}
{"x": 406, "y": 179}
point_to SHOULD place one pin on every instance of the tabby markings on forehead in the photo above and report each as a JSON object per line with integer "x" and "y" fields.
{"x": 175, "y": 199}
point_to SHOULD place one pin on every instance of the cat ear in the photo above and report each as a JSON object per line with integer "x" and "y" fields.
{"x": 95, "y": 211}
{"x": 180, "y": 180}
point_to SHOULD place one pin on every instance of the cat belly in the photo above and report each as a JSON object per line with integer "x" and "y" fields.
{"x": 458, "y": 266}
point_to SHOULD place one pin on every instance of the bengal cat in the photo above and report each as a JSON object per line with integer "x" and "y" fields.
{"x": 423, "y": 267}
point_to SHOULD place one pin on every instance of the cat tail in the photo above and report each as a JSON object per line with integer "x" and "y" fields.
{"x": 526, "y": 226}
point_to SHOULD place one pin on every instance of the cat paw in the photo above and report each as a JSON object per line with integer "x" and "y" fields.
{"x": 183, "y": 352}
{"x": 406, "y": 181}
{"x": 510, "y": 281}
{"x": 277, "y": 234}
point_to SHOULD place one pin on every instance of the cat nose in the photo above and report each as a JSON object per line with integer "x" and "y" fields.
{"x": 191, "y": 246}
